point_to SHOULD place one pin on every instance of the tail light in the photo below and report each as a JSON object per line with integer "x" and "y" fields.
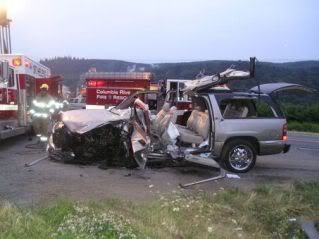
{"x": 284, "y": 132}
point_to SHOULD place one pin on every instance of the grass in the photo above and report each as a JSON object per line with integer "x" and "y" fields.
{"x": 261, "y": 213}
{"x": 303, "y": 126}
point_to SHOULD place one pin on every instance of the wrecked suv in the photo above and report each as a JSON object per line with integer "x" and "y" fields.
{"x": 222, "y": 128}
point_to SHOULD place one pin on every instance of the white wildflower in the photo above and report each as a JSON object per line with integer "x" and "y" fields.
{"x": 176, "y": 209}
{"x": 234, "y": 221}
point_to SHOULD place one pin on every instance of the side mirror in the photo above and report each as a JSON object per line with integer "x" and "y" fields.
{"x": 4, "y": 71}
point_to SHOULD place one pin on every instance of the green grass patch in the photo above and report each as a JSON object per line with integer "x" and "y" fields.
{"x": 303, "y": 126}
{"x": 261, "y": 213}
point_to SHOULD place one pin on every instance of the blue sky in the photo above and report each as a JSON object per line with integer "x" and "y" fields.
{"x": 166, "y": 30}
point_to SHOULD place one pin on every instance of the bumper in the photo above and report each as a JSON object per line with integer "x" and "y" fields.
{"x": 286, "y": 148}
{"x": 7, "y": 133}
{"x": 273, "y": 147}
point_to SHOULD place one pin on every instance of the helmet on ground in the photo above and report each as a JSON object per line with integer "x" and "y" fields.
{"x": 44, "y": 87}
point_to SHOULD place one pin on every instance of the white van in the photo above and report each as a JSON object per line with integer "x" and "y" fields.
{"x": 77, "y": 103}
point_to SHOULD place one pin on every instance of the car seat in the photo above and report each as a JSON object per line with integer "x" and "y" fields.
{"x": 234, "y": 111}
{"x": 197, "y": 129}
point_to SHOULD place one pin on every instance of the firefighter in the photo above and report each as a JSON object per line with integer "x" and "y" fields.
{"x": 43, "y": 106}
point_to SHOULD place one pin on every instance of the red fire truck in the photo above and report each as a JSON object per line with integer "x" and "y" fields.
{"x": 20, "y": 80}
{"x": 104, "y": 89}
{"x": 182, "y": 101}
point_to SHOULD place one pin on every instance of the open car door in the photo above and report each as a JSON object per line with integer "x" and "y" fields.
{"x": 207, "y": 82}
{"x": 140, "y": 138}
{"x": 274, "y": 88}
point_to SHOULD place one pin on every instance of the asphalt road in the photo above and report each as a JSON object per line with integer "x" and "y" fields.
{"x": 48, "y": 181}
{"x": 301, "y": 163}
{"x": 303, "y": 155}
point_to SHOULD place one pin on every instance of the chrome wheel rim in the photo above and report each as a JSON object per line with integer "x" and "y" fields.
{"x": 241, "y": 157}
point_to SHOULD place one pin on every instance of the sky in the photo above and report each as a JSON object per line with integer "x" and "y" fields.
{"x": 154, "y": 31}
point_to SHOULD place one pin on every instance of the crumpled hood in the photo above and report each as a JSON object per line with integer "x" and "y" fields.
{"x": 82, "y": 121}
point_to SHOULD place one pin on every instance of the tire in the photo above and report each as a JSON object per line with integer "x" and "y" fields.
{"x": 239, "y": 156}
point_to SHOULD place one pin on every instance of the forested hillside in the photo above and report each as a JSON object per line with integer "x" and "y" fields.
{"x": 304, "y": 72}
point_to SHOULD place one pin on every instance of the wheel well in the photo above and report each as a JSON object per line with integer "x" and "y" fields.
{"x": 252, "y": 140}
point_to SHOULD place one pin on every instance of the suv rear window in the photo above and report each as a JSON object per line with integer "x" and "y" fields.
{"x": 240, "y": 108}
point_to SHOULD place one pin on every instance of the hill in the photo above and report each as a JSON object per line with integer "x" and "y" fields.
{"x": 303, "y": 72}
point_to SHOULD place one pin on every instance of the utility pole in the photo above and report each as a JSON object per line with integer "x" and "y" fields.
{"x": 5, "y": 34}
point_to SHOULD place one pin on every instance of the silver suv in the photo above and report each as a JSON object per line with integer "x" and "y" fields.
{"x": 241, "y": 125}
{"x": 222, "y": 127}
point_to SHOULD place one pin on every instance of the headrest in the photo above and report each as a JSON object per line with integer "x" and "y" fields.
{"x": 166, "y": 107}
{"x": 172, "y": 109}
{"x": 198, "y": 108}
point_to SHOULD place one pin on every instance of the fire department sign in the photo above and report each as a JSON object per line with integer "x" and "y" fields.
{"x": 108, "y": 96}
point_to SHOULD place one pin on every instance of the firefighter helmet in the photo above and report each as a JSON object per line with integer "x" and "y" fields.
{"x": 44, "y": 86}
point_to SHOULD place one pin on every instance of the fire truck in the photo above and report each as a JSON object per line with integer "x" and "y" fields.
{"x": 20, "y": 80}
{"x": 181, "y": 101}
{"x": 177, "y": 98}
{"x": 104, "y": 89}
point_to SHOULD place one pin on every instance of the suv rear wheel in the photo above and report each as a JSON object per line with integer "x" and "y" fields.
{"x": 239, "y": 156}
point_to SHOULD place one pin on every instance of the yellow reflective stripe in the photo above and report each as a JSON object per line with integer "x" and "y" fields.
{"x": 39, "y": 104}
{"x": 44, "y": 105}
{"x": 58, "y": 105}
{"x": 51, "y": 103}
{"x": 41, "y": 115}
